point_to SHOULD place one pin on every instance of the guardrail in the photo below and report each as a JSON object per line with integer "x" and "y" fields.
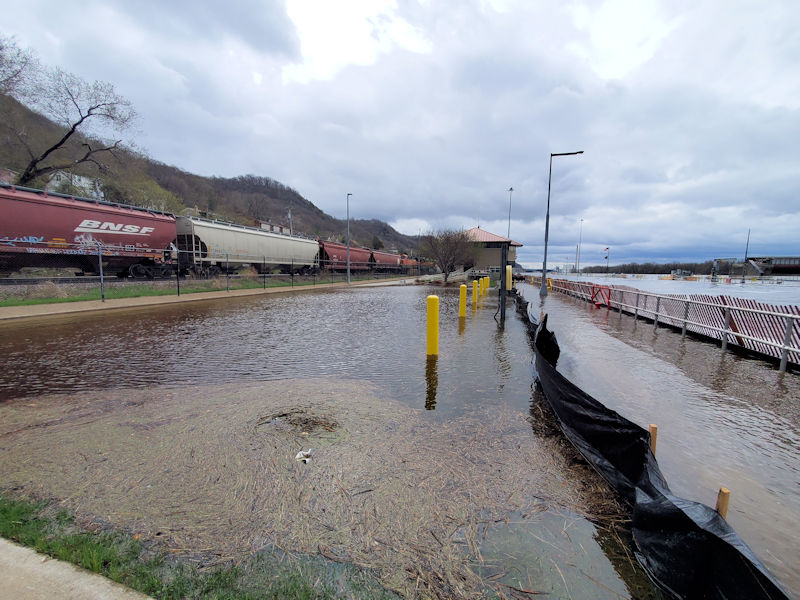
{"x": 769, "y": 330}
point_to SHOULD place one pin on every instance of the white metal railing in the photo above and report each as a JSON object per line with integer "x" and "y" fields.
{"x": 762, "y": 328}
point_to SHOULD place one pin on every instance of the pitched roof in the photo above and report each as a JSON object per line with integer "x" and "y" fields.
{"x": 477, "y": 234}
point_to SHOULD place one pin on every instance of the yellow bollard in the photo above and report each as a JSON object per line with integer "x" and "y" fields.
{"x": 508, "y": 277}
{"x": 462, "y": 301}
{"x": 433, "y": 325}
{"x": 474, "y": 292}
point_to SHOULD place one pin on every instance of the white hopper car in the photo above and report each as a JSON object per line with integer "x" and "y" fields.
{"x": 210, "y": 247}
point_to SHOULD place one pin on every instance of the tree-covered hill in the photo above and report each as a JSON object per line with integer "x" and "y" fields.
{"x": 52, "y": 121}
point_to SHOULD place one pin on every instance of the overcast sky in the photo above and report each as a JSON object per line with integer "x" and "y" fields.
{"x": 429, "y": 111}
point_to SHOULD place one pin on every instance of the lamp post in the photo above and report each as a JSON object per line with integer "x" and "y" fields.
{"x": 508, "y": 235}
{"x": 543, "y": 291}
{"x": 348, "y": 237}
{"x": 578, "y": 251}
{"x": 746, "y": 249}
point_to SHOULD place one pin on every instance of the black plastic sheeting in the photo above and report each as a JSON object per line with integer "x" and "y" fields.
{"x": 686, "y": 547}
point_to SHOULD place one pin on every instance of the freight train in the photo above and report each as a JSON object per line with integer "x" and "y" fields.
{"x": 41, "y": 229}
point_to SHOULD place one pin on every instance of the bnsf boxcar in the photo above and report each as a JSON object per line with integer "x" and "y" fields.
{"x": 38, "y": 229}
{"x": 209, "y": 247}
{"x": 333, "y": 256}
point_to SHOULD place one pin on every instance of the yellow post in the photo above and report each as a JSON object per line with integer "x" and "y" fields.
{"x": 433, "y": 325}
{"x": 474, "y": 293}
{"x": 462, "y": 300}
{"x": 508, "y": 277}
{"x": 723, "y": 498}
{"x": 653, "y": 438}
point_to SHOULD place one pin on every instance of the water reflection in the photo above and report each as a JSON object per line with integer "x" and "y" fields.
{"x": 431, "y": 381}
{"x": 374, "y": 334}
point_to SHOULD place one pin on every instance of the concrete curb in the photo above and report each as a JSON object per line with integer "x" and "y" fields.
{"x": 28, "y": 575}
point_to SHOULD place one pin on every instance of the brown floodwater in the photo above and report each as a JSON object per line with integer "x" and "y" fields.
{"x": 723, "y": 420}
{"x": 170, "y": 422}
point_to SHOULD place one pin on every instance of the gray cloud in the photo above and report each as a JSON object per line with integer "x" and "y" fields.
{"x": 691, "y": 144}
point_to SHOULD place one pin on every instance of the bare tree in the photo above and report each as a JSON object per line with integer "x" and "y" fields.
{"x": 448, "y": 249}
{"x": 88, "y": 115}
{"x": 15, "y": 65}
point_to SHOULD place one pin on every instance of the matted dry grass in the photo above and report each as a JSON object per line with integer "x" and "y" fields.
{"x": 211, "y": 472}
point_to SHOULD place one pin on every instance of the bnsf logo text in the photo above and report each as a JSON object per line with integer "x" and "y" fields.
{"x": 107, "y": 227}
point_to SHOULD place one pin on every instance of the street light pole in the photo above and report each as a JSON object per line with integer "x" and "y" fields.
{"x": 746, "y": 249}
{"x": 543, "y": 291}
{"x": 348, "y": 238}
{"x": 508, "y": 235}
{"x": 578, "y": 253}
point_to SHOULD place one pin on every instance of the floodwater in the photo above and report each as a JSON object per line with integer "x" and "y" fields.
{"x": 723, "y": 420}
{"x": 192, "y": 354}
{"x": 376, "y": 334}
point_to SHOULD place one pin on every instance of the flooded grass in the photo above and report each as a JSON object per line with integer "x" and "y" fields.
{"x": 55, "y": 293}
{"x": 210, "y": 475}
{"x": 52, "y": 293}
{"x": 123, "y": 558}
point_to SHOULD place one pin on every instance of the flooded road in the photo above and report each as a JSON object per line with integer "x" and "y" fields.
{"x": 723, "y": 420}
{"x": 373, "y": 334}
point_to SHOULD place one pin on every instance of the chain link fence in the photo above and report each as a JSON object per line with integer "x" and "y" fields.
{"x": 32, "y": 270}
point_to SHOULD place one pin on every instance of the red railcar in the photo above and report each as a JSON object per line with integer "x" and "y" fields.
{"x": 385, "y": 261}
{"x": 334, "y": 256}
{"x": 38, "y": 229}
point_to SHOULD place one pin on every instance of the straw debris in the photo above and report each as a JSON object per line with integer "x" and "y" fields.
{"x": 211, "y": 473}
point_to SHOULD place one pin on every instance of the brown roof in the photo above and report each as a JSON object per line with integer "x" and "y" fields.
{"x": 477, "y": 234}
